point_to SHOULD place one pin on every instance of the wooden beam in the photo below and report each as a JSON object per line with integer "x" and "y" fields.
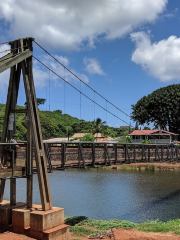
{"x": 8, "y": 56}
{"x": 15, "y": 60}
{"x": 37, "y": 137}
{"x": 13, "y": 191}
{"x": 2, "y": 187}
{"x": 20, "y": 111}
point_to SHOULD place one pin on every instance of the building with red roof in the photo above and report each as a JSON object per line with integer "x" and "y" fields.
{"x": 155, "y": 136}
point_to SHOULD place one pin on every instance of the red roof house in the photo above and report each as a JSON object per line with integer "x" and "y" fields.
{"x": 155, "y": 136}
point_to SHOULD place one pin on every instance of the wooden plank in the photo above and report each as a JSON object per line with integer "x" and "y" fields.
{"x": 9, "y": 55}
{"x": 82, "y": 154}
{"x": 162, "y": 152}
{"x": 93, "y": 154}
{"x": 115, "y": 153}
{"x": 47, "y": 152}
{"x": 15, "y": 60}
{"x": 37, "y": 138}
{"x": 134, "y": 153}
{"x": 2, "y": 187}
{"x": 149, "y": 154}
{"x": 29, "y": 166}
{"x": 63, "y": 158}
{"x": 13, "y": 191}
{"x": 20, "y": 111}
{"x": 168, "y": 152}
{"x": 7, "y": 110}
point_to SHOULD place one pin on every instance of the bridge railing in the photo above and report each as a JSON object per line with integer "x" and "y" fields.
{"x": 82, "y": 154}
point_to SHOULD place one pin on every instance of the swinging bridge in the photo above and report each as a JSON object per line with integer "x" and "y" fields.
{"x": 65, "y": 154}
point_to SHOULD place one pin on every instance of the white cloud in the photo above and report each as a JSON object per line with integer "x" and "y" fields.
{"x": 71, "y": 24}
{"x": 93, "y": 66}
{"x": 161, "y": 59}
{"x": 42, "y": 75}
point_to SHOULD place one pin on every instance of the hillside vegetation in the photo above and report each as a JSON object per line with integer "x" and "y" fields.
{"x": 55, "y": 124}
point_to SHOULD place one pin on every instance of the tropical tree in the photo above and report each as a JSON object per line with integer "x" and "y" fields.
{"x": 98, "y": 126}
{"x": 40, "y": 101}
{"x": 161, "y": 107}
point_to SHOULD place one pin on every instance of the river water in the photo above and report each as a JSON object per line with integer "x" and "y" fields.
{"x": 111, "y": 194}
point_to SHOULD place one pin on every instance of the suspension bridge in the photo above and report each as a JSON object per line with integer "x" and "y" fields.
{"x": 19, "y": 60}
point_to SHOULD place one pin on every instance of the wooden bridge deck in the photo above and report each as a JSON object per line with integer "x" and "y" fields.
{"x": 61, "y": 155}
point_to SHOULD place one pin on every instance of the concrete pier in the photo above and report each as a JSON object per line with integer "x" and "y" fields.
{"x": 46, "y": 225}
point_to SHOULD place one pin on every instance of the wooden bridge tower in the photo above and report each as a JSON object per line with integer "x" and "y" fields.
{"x": 19, "y": 60}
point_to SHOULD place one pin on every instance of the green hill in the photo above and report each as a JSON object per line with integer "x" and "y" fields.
{"x": 54, "y": 124}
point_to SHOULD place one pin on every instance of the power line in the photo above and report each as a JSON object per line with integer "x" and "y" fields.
{"x": 79, "y": 78}
{"x": 79, "y": 90}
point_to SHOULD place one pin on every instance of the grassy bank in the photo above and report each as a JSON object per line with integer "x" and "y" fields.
{"x": 83, "y": 226}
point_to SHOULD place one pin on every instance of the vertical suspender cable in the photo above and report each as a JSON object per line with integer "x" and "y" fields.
{"x": 106, "y": 111}
{"x": 94, "y": 105}
{"x": 80, "y": 107}
{"x": 64, "y": 97}
{"x": 49, "y": 89}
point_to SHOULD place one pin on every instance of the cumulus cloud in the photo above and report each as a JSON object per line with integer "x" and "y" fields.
{"x": 161, "y": 59}
{"x": 93, "y": 66}
{"x": 72, "y": 25}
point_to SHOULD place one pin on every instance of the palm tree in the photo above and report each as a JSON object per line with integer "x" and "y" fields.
{"x": 98, "y": 126}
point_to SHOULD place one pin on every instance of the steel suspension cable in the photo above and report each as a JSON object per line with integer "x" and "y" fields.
{"x": 79, "y": 78}
{"x": 79, "y": 90}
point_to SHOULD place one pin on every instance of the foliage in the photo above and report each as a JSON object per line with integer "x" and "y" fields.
{"x": 125, "y": 139}
{"x": 87, "y": 138}
{"x": 55, "y": 124}
{"x": 146, "y": 141}
{"x": 146, "y": 128}
{"x": 161, "y": 107}
{"x": 98, "y": 126}
{"x": 159, "y": 226}
{"x": 150, "y": 226}
{"x": 40, "y": 101}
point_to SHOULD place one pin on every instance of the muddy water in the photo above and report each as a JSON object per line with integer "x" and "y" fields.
{"x": 111, "y": 194}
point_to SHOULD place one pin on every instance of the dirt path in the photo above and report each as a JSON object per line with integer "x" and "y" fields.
{"x": 120, "y": 234}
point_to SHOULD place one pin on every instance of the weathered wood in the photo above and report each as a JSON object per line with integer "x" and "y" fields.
{"x": 2, "y": 187}
{"x": 37, "y": 137}
{"x": 149, "y": 155}
{"x": 20, "y": 111}
{"x": 63, "y": 156}
{"x": 8, "y": 56}
{"x": 93, "y": 154}
{"x": 7, "y": 110}
{"x": 115, "y": 153}
{"x": 82, "y": 154}
{"x": 48, "y": 156}
{"x": 15, "y": 60}
{"x": 134, "y": 153}
{"x": 29, "y": 166}
{"x": 162, "y": 152}
{"x": 13, "y": 191}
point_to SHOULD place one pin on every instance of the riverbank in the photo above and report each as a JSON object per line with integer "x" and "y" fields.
{"x": 162, "y": 166}
{"x": 81, "y": 227}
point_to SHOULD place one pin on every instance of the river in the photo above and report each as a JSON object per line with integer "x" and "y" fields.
{"x": 111, "y": 194}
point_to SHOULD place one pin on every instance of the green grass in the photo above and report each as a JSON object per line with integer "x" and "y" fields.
{"x": 82, "y": 226}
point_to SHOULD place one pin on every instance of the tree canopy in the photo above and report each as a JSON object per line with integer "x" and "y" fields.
{"x": 161, "y": 107}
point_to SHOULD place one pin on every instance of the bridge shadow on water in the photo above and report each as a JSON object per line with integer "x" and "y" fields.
{"x": 152, "y": 205}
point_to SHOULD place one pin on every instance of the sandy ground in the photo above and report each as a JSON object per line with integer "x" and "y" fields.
{"x": 120, "y": 234}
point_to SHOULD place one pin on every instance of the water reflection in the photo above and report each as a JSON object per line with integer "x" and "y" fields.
{"x": 110, "y": 194}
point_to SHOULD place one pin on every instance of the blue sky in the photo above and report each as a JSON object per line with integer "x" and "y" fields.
{"x": 123, "y": 49}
